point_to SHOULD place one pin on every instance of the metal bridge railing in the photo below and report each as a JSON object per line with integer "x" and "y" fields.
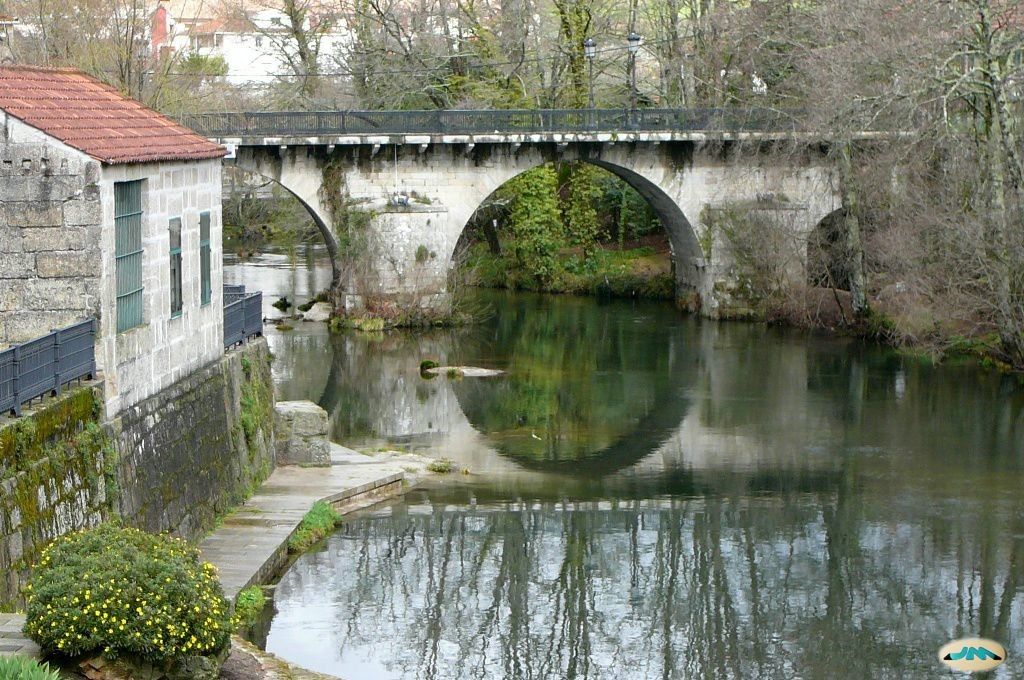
{"x": 44, "y": 365}
{"x": 497, "y": 121}
{"x": 243, "y": 315}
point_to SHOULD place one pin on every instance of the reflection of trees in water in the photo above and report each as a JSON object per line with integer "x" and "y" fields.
{"x": 809, "y": 585}
{"x": 583, "y": 378}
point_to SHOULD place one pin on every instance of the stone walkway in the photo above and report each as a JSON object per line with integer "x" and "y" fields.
{"x": 252, "y": 543}
{"x": 251, "y": 546}
{"x": 12, "y": 640}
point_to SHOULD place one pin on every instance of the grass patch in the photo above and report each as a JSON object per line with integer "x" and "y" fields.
{"x": 635, "y": 273}
{"x": 249, "y": 604}
{"x": 441, "y": 466}
{"x": 24, "y": 668}
{"x": 314, "y": 527}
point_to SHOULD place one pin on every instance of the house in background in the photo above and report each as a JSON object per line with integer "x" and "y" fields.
{"x": 112, "y": 210}
{"x": 252, "y": 39}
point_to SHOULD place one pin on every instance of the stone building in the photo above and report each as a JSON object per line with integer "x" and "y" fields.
{"x": 108, "y": 209}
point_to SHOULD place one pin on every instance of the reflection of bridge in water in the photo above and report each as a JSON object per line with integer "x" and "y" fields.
{"x": 674, "y": 436}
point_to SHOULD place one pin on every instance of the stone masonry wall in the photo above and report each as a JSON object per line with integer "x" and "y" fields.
{"x": 174, "y": 462}
{"x": 50, "y": 227}
{"x": 53, "y": 479}
{"x": 199, "y": 447}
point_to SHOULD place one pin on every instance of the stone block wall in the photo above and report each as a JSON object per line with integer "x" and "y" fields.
{"x": 54, "y": 478}
{"x": 300, "y": 434}
{"x": 142, "y": 361}
{"x": 174, "y": 462}
{"x": 194, "y": 450}
{"x": 50, "y": 227}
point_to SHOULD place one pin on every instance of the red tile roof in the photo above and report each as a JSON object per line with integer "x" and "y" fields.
{"x": 95, "y": 118}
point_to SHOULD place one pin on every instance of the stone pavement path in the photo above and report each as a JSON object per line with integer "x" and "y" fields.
{"x": 251, "y": 544}
{"x": 12, "y": 640}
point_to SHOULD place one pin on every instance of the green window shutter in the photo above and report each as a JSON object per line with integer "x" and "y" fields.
{"x": 128, "y": 253}
{"x": 175, "y": 282}
{"x": 206, "y": 289}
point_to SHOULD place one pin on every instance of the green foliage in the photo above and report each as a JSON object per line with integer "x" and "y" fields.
{"x": 536, "y": 222}
{"x": 282, "y": 303}
{"x": 320, "y": 521}
{"x": 255, "y": 401}
{"x": 24, "y": 668}
{"x": 580, "y": 214}
{"x": 249, "y": 604}
{"x": 422, "y": 254}
{"x": 199, "y": 65}
{"x": 441, "y": 466}
{"x": 121, "y": 591}
{"x": 636, "y": 273}
{"x": 428, "y": 364}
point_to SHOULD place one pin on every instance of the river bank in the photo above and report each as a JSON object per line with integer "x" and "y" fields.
{"x": 638, "y": 270}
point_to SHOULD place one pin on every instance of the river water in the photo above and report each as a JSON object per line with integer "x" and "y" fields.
{"x": 654, "y": 496}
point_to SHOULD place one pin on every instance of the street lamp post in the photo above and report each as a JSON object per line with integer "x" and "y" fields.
{"x": 590, "y": 51}
{"x": 633, "y": 41}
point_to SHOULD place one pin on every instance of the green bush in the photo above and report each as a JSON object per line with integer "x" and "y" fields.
{"x": 24, "y": 668}
{"x": 120, "y": 591}
{"x": 441, "y": 466}
{"x": 249, "y": 603}
{"x": 318, "y": 522}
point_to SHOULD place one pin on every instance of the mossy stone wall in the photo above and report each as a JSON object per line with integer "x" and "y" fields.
{"x": 175, "y": 462}
{"x": 55, "y": 477}
{"x": 198, "y": 448}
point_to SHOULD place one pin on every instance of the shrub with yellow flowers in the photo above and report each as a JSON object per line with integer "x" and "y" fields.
{"x": 116, "y": 591}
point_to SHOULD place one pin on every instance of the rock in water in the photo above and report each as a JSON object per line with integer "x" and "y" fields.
{"x": 321, "y": 311}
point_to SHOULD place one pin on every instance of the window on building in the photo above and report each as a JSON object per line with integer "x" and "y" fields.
{"x": 175, "y": 229}
{"x": 205, "y": 287}
{"x": 128, "y": 253}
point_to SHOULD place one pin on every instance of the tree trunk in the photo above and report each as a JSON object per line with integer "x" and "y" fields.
{"x": 851, "y": 228}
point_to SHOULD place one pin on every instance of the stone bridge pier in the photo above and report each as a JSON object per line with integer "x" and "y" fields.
{"x": 391, "y": 208}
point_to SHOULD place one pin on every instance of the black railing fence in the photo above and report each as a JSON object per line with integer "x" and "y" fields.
{"x": 44, "y": 365}
{"x": 292, "y": 123}
{"x": 243, "y": 315}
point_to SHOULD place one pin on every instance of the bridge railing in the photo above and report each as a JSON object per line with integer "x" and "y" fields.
{"x": 315, "y": 123}
{"x": 243, "y": 315}
{"x": 44, "y": 365}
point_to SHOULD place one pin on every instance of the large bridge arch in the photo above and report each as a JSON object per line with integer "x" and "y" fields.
{"x": 687, "y": 256}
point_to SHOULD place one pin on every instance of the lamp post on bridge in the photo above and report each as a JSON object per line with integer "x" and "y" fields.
{"x": 590, "y": 51}
{"x": 633, "y": 42}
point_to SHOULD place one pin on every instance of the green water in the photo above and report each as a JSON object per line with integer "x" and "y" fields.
{"x": 655, "y": 496}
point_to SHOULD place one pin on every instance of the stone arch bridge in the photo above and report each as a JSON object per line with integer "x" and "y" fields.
{"x": 412, "y": 181}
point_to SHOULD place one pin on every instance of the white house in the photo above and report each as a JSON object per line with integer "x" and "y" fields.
{"x": 108, "y": 208}
{"x": 252, "y": 40}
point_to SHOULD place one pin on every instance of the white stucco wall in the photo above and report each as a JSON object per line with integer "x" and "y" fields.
{"x": 141, "y": 361}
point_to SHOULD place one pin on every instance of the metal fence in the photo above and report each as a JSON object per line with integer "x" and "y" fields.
{"x": 243, "y": 315}
{"x": 44, "y": 365}
{"x": 292, "y": 123}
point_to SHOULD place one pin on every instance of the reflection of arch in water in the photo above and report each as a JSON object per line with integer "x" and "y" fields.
{"x": 668, "y": 401}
